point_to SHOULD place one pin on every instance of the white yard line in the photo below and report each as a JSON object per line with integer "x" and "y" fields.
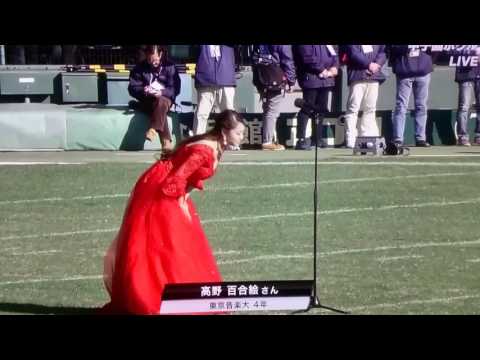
{"x": 394, "y": 258}
{"x": 42, "y": 252}
{"x": 38, "y": 163}
{"x": 352, "y": 309}
{"x": 350, "y": 251}
{"x": 83, "y": 251}
{"x": 413, "y": 302}
{"x": 68, "y": 233}
{"x": 474, "y": 260}
{"x": 273, "y": 257}
{"x": 360, "y": 162}
{"x": 228, "y": 252}
{"x": 72, "y": 278}
{"x": 445, "y": 155}
{"x": 9, "y": 249}
{"x": 93, "y": 197}
{"x": 30, "y": 150}
{"x": 252, "y": 187}
{"x": 266, "y": 257}
{"x": 88, "y": 197}
{"x": 339, "y": 211}
{"x": 266, "y": 216}
{"x": 9, "y": 202}
{"x": 143, "y": 154}
{"x": 335, "y": 181}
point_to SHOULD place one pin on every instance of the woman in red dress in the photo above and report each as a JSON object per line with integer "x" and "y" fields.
{"x": 161, "y": 239}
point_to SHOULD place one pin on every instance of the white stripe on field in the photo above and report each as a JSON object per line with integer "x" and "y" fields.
{"x": 414, "y": 302}
{"x": 393, "y": 258}
{"x": 349, "y": 251}
{"x": 30, "y": 150}
{"x": 334, "y": 181}
{"x": 73, "y": 278}
{"x": 228, "y": 252}
{"x": 42, "y": 252}
{"x": 445, "y": 155}
{"x": 252, "y": 187}
{"x": 267, "y": 216}
{"x": 266, "y": 257}
{"x": 89, "y": 197}
{"x": 9, "y": 249}
{"x": 339, "y": 211}
{"x": 39, "y": 163}
{"x": 273, "y": 257}
{"x": 474, "y": 260}
{"x": 69, "y": 233}
{"x": 83, "y": 251}
{"x": 360, "y": 162}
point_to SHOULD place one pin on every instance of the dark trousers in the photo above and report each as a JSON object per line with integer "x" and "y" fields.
{"x": 158, "y": 108}
{"x": 319, "y": 98}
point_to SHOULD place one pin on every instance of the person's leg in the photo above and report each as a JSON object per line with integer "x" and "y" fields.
{"x": 159, "y": 121}
{"x": 464, "y": 103}
{"x": 477, "y": 108}
{"x": 206, "y": 100}
{"x": 404, "y": 89}
{"x": 271, "y": 112}
{"x": 146, "y": 105}
{"x": 420, "y": 93}
{"x": 226, "y": 98}
{"x": 321, "y": 103}
{"x": 310, "y": 96}
{"x": 368, "y": 124}
{"x": 355, "y": 97}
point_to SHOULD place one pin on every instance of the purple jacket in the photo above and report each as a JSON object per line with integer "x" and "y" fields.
{"x": 212, "y": 72}
{"x": 143, "y": 74}
{"x": 282, "y": 55}
{"x": 310, "y": 61}
{"x": 358, "y": 62}
{"x": 405, "y": 66}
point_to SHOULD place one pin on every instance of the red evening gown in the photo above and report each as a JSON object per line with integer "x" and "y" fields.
{"x": 158, "y": 243}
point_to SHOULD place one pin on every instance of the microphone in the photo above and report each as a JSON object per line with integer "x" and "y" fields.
{"x": 307, "y": 107}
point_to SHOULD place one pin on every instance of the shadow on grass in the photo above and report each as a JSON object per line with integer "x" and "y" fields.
{"x": 45, "y": 310}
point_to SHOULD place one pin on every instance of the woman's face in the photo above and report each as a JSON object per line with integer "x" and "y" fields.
{"x": 154, "y": 59}
{"x": 235, "y": 136}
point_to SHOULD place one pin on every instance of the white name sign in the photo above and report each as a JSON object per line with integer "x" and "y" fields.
{"x": 460, "y": 55}
{"x": 237, "y": 296}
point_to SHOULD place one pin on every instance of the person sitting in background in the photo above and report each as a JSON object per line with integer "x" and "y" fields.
{"x": 155, "y": 83}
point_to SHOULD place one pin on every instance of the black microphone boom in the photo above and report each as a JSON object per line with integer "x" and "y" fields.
{"x": 307, "y": 107}
{"x": 315, "y": 113}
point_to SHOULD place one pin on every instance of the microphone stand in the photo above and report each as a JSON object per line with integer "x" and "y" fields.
{"x": 314, "y": 300}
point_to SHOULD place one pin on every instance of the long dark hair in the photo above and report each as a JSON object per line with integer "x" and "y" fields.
{"x": 226, "y": 120}
{"x": 160, "y": 49}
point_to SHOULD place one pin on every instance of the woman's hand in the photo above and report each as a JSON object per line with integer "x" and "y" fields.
{"x": 182, "y": 202}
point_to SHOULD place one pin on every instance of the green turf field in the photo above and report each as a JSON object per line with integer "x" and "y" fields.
{"x": 396, "y": 235}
